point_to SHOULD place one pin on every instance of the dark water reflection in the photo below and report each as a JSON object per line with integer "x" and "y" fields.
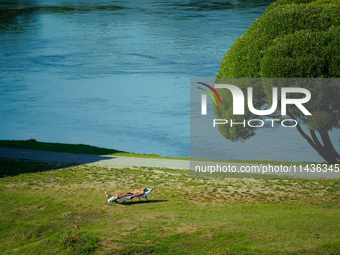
{"x": 112, "y": 73}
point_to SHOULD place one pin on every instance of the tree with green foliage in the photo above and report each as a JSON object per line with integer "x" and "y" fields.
{"x": 293, "y": 39}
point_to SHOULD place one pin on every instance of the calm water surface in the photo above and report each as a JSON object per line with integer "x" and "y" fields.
{"x": 113, "y": 74}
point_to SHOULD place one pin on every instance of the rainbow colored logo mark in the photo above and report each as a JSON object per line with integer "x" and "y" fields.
{"x": 204, "y": 97}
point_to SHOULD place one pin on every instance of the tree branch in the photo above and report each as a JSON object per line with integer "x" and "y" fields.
{"x": 315, "y": 139}
{"x": 309, "y": 140}
{"x": 329, "y": 147}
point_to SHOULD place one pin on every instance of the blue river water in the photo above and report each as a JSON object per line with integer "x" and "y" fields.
{"x": 116, "y": 74}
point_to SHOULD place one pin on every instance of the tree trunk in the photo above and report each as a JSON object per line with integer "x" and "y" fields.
{"x": 326, "y": 150}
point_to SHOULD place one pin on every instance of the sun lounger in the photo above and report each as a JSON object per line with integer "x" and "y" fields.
{"x": 130, "y": 195}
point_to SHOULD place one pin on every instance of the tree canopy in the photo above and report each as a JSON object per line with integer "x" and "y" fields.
{"x": 292, "y": 39}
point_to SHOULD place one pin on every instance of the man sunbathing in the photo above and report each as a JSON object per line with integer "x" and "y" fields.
{"x": 139, "y": 193}
{"x": 119, "y": 195}
{"x": 135, "y": 193}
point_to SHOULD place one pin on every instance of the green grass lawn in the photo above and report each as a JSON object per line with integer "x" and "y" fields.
{"x": 184, "y": 215}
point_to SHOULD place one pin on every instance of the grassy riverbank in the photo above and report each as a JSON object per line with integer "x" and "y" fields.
{"x": 88, "y": 149}
{"x": 184, "y": 216}
{"x": 70, "y": 148}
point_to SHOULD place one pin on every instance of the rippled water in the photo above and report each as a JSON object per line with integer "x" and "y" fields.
{"x": 114, "y": 74}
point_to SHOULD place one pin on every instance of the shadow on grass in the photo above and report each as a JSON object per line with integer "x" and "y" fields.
{"x": 138, "y": 202}
{"x": 32, "y": 144}
{"x": 51, "y": 156}
{"x": 13, "y": 167}
{"x": 15, "y": 161}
